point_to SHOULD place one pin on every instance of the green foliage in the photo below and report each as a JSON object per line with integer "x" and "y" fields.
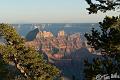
{"x": 100, "y": 67}
{"x": 10, "y": 34}
{"x": 28, "y": 64}
{"x": 108, "y": 42}
{"x": 108, "y": 39}
{"x": 102, "y": 5}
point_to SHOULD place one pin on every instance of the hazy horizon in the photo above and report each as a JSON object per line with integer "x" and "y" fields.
{"x": 48, "y": 11}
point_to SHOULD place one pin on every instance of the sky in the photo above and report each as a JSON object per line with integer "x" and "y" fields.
{"x": 48, "y": 11}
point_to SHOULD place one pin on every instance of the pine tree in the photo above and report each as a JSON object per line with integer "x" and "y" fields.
{"x": 107, "y": 41}
{"x": 21, "y": 62}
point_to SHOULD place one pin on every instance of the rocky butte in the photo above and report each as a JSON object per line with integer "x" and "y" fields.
{"x": 55, "y": 47}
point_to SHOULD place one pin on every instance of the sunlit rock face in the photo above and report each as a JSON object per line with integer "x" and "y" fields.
{"x": 61, "y": 33}
{"x": 58, "y": 46}
{"x": 44, "y": 34}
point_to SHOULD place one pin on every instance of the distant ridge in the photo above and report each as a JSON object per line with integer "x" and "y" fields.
{"x": 32, "y": 34}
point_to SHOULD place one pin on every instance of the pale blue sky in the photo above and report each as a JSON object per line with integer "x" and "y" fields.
{"x": 47, "y": 11}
